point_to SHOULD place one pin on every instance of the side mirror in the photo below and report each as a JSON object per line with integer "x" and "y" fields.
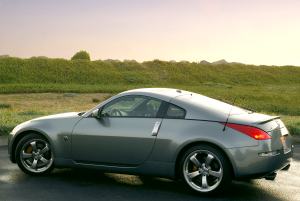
{"x": 97, "y": 113}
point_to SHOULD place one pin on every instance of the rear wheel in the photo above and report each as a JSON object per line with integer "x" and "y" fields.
{"x": 205, "y": 169}
{"x": 34, "y": 155}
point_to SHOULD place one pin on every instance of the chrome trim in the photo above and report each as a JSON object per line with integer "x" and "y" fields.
{"x": 156, "y": 128}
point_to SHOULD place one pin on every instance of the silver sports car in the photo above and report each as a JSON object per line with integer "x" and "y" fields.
{"x": 162, "y": 132}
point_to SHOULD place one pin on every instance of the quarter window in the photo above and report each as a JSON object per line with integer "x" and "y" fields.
{"x": 175, "y": 112}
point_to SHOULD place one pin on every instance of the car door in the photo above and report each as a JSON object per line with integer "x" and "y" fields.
{"x": 124, "y": 135}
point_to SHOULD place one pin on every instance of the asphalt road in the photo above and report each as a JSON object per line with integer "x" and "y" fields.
{"x": 85, "y": 185}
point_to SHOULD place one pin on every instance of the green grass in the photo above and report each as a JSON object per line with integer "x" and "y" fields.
{"x": 268, "y": 89}
{"x": 46, "y": 73}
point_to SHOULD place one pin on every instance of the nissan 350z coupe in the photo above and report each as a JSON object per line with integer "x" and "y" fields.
{"x": 162, "y": 132}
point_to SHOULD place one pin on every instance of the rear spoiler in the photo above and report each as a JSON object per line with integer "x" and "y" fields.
{"x": 268, "y": 120}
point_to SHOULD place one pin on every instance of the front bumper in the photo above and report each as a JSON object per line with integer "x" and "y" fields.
{"x": 248, "y": 164}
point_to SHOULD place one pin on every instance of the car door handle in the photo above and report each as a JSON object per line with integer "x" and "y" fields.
{"x": 156, "y": 128}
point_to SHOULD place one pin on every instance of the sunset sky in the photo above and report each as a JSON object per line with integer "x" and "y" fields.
{"x": 247, "y": 31}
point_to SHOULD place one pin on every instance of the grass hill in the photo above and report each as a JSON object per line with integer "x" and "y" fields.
{"x": 270, "y": 89}
{"x": 43, "y": 72}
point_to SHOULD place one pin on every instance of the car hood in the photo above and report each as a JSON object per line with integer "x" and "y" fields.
{"x": 58, "y": 116}
{"x": 58, "y": 121}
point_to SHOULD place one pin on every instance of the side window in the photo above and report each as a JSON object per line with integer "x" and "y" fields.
{"x": 132, "y": 106}
{"x": 152, "y": 107}
{"x": 175, "y": 112}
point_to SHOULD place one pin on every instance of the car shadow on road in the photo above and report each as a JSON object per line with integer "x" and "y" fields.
{"x": 94, "y": 183}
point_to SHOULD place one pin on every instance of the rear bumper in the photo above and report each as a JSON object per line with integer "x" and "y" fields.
{"x": 248, "y": 164}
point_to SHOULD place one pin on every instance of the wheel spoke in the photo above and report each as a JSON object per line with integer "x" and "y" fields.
{"x": 217, "y": 174}
{"x": 192, "y": 175}
{"x": 208, "y": 159}
{"x": 45, "y": 161}
{"x": 204, "y": 181}
{"x": 44, "y": 150}
{"x": 33, "y": 145}
{"x": 36, "y": 155}
{"x": 195, "y": 160}
{"x": 203, "y": 170}
{"x": 26, "y": 155}
{"x": 34, "y": 164}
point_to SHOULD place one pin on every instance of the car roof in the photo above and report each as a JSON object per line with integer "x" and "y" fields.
{"x": 161, "y": 93}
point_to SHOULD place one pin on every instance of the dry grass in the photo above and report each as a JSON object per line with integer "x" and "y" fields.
{"x": 24, "y": 107}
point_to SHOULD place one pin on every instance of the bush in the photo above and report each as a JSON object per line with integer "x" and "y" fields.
{"x": 96, "y": 100}
{"x": 4, "y": 106}
{"x": 81, "y": 55}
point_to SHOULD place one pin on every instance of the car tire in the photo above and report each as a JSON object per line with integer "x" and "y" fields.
{"x": 34, "y": 155}
{"x": 205, "y": 169}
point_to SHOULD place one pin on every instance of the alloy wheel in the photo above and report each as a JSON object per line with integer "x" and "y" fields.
{"x": 202, "y": 170}
{"x": 36, "y": 156}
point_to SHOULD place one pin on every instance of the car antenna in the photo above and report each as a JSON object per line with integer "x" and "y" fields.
{"x": 229, "y": 113}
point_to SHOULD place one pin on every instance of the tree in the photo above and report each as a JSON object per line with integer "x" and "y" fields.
{"x": 81, "y": 55}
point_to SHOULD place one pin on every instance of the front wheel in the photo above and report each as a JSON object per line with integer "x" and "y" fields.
{"x": 34, "y": 155}
{"x": 205, "y": 169}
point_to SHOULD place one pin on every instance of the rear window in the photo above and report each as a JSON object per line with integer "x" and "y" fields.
{"x": 210, "y": 104}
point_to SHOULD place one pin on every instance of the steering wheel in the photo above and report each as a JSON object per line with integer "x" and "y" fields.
{"x": 116, "y": 112}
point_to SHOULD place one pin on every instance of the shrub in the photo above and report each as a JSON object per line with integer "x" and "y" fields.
{"x": 4, "y": 106}
{"x": 95, "y": 100}
{"x": 81, "y": 55}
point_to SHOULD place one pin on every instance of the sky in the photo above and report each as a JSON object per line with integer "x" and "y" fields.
{"x": 261, "y": 32}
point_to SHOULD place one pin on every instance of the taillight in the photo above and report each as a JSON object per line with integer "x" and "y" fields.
{"x": 251, "y": 131}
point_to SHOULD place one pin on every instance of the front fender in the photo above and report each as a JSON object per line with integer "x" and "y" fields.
{"x": 56, "y": 131}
